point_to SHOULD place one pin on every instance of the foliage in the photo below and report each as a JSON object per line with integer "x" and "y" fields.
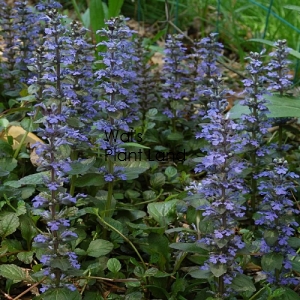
{"x": 122, "y": 180}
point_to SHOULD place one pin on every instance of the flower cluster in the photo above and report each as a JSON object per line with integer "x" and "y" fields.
{"x": 278, "y": 68}
{"x": 145, "y": 79}
{"x": 203, "y": 68}
{"x": 175, "y": 76}
{"x": 276, "y": 218}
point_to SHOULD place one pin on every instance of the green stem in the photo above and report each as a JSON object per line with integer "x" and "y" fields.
{"x": 73, "y": 156}
{"x": 77, "y": 11}
{"x": 280, "y": 136}
{"x": 20, "y": 145}
{"x": 124, "y": 237}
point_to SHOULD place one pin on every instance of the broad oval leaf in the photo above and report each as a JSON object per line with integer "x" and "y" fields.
{"x": 8, "y": 224}
{"x": 99, "y": 248}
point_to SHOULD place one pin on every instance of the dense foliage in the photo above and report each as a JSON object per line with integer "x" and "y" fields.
{"x": 121, "y": 179}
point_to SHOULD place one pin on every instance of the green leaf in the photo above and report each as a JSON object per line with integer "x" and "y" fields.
{"x": 200, "y": 274}
{"x": 272, "y": 261}
{"x": 28, "y": 230}
{"x": 3, "y": 123}
{"x": 14, "y": 272}
{"x": 294, "y": 242}
{"x": 151, "y": 113}
{"x": 114, "y": 7}
{"x": 154, "y": 272}
{"x": 132, "y": 169}
{"x": 86, "y": 18}
{"x": 113, "y": 265}
{"x": 26, "y": 257}
{"x": 278, "y": 106}
{"x": 292, "y": 52}
{"x": 171, "y": 172}
{"x": 135, "y": 145}
{"x": 7, "y": 164}
{"x": 163, "y": 212}
{"x": 33, "y": 179}
{"x": 21, "y": 209}
{"x": 97, "y": 17}
{"x": 271, "y": 237}
{"x": 218, "y": 269}
{"x": 292, "y": 7}
{"x": 99, "y": 248}
{"x": 242, "y": 283}
{"x": 92, "y": 296}
{"x": 8, "y": 224}
{"x": 295, "y": 265}
{"x": 82, "y": 166}
{"x": 61, "y": 294}
{"x": 157, "y": 180}
{"x": 5, "y": 148}
{"x": 175, "y": 136}
{"x": 188, "y": 247}
{"x": 90, "y": 180}
{"x": 289, "y": 295}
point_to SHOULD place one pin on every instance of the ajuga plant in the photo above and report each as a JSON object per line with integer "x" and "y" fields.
{"x": 279, "y": 82}
{"x": 276, "y": 220}
{"x": 10, "y": 50}
{"x": 255, "y": 123}
{"x": 148, "y": 86}
{"x": 117, "y": 101}
{"x": 221, "y": 192}
{"x": 175, "y": 77}
{"x": 53, "y": 67}
{"x": 27, "y": 32}
{"x": 203, "y": 67}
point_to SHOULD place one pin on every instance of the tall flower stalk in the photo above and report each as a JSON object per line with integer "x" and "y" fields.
{"x": 256, "y": 123}
{"x": 279, "y": 80}
{"x": 174, "y": 89}
{"x": 117, "y": 101}
{"x": 223, "y": 189}
{"x": 276, "y": 220}
{"x": 52, "y": 66}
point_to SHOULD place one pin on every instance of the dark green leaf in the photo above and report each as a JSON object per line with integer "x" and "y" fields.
{"x": 289, "y": 295}
{"x": 99, "y": 248}
{"x": 133, "y": 168}
{"x": 90, "y": 180}
{"x": 26, "y": 257}
{"x": 175, "y": 136}
{"x": 188, "y": 247}
{"x": 200, "y": 274}
{"x": 163, "y": 212}
{"x": 272, "y": 261}
{"x": 218, "y": 269}
{"x": 171, "y": 172}
{"x": 294, "y": 242}
{"x": 61, "y": 294}
{"x": 14, "y": 272}
{"x": 28, "y": 230}
{"x": 113, "y": 265}
{"x": 271, "y": 237}
{"x": 157, "y": 180}
{"x": 8, "y": 224}
{"x": 82, "y": 166}
{"x": 242, "y": 283}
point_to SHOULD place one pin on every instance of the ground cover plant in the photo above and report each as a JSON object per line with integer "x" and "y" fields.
{"x": 125, "y": 180}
